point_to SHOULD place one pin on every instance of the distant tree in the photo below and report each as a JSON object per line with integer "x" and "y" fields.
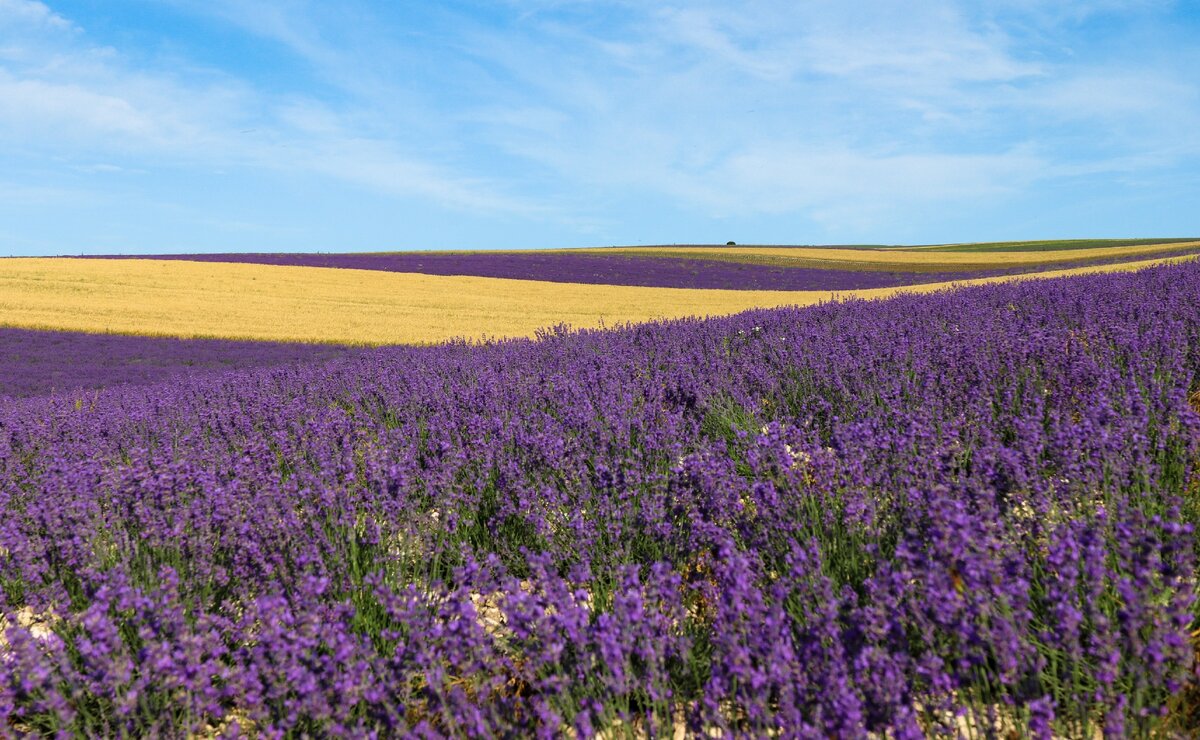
{"x": 731, "y": 244}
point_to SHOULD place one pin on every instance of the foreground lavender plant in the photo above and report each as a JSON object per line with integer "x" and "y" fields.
{"x": 963, "y": 512}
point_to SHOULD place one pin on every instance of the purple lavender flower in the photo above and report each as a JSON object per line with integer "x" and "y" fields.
{"x": 892, "y": 517}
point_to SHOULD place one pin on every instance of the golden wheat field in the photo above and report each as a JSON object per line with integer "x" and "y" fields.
{"x": 316, "y": 304}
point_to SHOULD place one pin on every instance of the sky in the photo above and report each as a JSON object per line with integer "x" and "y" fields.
{"x": 153, "y": 126}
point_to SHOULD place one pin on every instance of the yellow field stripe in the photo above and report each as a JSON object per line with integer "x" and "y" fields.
{"x": 316, "y": 304}
{"x": 915, "y": 256}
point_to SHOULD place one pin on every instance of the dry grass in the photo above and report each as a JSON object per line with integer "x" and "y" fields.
{"x": 248, "y": 301}
{"x": 906, "y": 257}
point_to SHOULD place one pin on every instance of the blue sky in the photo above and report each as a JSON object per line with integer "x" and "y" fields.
{"x": 212, "y": 125}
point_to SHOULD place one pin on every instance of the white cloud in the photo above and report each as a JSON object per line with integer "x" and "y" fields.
{"x": 761, "y": 107}
{"x": 29, "y": 13}
{"x": 1115, "y": 94}
{"x": 52, "y": 113}
{"x": 71, "y": 99}
{"x": 779, "y": 107}
{"x": 919, "y": 44}
{"x": 1056, "y": 11}
{"x": 377, "y": 165}
{"x": 779, "y": 178}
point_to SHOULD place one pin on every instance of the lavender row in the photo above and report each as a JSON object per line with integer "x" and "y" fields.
{"x": 608, "y": 269}
{"x": 955, "y": 513}
{"x": 39, "y": 362}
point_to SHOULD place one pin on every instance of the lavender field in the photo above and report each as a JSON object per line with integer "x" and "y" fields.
{"x": 613, "y": 269}
{"x": 966, "y": 513}
{"x": 35, "y": 363}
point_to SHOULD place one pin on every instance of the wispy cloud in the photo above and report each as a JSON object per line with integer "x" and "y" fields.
{"x": 30, "y": 14}
{"x": 778, "y": 106}
{"x": 560, "y": 116}
{"x": 75, "y": 98}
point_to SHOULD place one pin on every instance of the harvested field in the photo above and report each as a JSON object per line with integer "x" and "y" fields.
{"x": 911, "y": 258}
{"x": 284, "y": 303}
{"x": 1051, "y": 244}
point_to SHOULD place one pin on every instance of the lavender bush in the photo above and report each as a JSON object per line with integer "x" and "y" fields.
{"x": 967, "y": 512}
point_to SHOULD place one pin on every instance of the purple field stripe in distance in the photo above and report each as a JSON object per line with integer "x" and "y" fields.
{"x": 37, "y": 362}
{"x": 601, "y": 269}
